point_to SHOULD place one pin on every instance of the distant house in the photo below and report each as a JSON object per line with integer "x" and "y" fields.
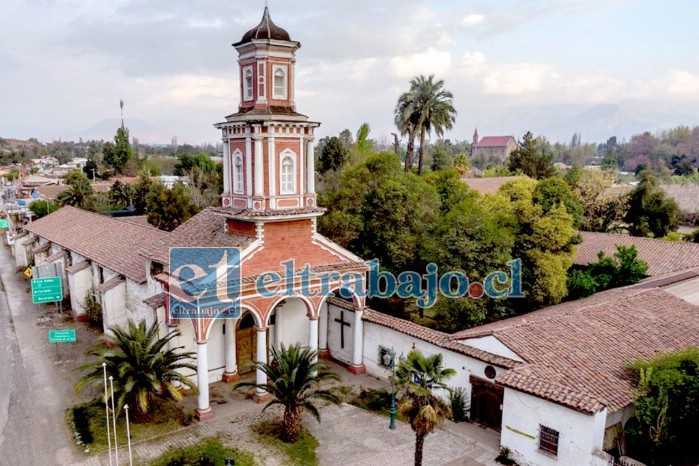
{"x": 493, "y": 147}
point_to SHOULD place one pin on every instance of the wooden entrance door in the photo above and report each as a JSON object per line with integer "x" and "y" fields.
{"x": 486, "y": 403}
{"x": 246, "y": 343}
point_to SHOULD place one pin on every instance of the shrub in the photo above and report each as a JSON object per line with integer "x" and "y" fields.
{"x": 457, "y": 398}
{"x": 93, "y": 308}
{"x": 81, "y": 423}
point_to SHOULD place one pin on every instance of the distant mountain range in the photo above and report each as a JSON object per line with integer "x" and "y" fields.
{"x": 596, "y": 124}
{"x": 144, "y": 131}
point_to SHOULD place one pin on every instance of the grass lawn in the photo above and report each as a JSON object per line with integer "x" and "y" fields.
{"x": 208, "y": 451}
{"x": 167, "y": 416}
{"x": 301, "y": 453}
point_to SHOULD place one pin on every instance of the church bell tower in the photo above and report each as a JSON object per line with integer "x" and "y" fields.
{"x": 268, "y": 147}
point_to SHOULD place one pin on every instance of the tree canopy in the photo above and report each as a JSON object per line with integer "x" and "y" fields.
{"x": 650, "y": 211}
{"x": 532, "y": 158}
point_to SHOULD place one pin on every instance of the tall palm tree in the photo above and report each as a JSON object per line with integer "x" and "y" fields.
{"x": 293, "y": 379}
{"x": 418, "y": 376}
{"x": 406, "y": 122}
{"x": 79, "y": 194}
{"x": 427, "y": 106}
{"x": 141, "y": 365}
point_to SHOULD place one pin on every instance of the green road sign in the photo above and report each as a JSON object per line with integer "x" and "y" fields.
{"x": 62, "y": 336}
{"x": 47, "y": 290}
{"x": 4, "y": 223}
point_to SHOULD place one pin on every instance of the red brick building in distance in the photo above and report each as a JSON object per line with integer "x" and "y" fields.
{"x": 493, "y": 147}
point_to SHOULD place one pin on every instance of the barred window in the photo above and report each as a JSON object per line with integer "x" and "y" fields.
{"x": 548, "y": 440}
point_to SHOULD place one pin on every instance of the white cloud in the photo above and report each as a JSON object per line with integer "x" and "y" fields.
{"x": 683, "y": 84}
{"x": 518, "y": 79}
{"x": 472, "y": 20}
{"x": 432, "y": 61}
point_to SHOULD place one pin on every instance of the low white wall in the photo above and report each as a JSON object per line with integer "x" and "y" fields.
{"x": 580, "y": 435}
{"x": 113, "y": 309}
{"x": 80, "y": 283}
{"x": 376, "y": 336}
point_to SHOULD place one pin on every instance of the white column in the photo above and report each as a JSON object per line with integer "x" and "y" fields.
{"x": 300, "y": 171}
{"x": 358, "y": 338}
{"x": 310, "y": 167}
{"x": 231, "y": 362}
{"x": 277, "y": 327}
{"x": 248, "y": 166}
{"x": 323, "y": 331}
{"x": 272, "y": 164}
{"x": 203, "y": 407}
{"x": 261, "y": 377}
{"x": 259, "y": 166}
{"x": 227, "y": 166}
{"x": 313, "y": 338}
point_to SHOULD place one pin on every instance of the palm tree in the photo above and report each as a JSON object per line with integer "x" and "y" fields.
{"x": 426, "y": 107}
{"x": 293, "y": 379}
{"x": 406, "y": 122}
{"x": 141, "y": 365}
{"x": 79, "y": 194}
{"x": 417, "y": 376}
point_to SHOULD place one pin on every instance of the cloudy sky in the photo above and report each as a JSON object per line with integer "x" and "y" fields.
{"x": 601, "y": 67}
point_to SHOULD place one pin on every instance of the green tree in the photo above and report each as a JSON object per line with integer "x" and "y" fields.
{"x": 140, "y": 194}
{"x": 650, "y": 211}
{"x": 533, "y": 158}
{"x": 168, "y": 208}
{"x": 418, "y": 376}
{"x": 603, "y": 207}
{"x": 442, "y": 157}
{"x": 333, "y": 155}
{"x": 91, "y": 170}
{"x": 552, "y": 191}
{"x": 117, "y": 155}
{"x": 43, "y": 207}
{"x": 79, "y": 194}
{"x": 666, "y": 418}
{"x": 625, "y": 268}
{"x": 405, "y": 119}
{"x": 122, "y": 194}
{"x": 142, "y": 366}
{"x": 294, "y": 377}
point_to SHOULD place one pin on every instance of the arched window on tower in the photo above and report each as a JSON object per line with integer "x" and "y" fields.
{"x": 238, "y": 174}
{"x": 280, "y": 83}
{"x": 287, "y": 181}
{"x": 248, "y": 87}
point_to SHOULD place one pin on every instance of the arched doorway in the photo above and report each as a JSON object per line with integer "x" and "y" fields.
{"x": 246, "y": 343}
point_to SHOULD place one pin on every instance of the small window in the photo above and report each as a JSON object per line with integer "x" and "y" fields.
{"x": 248, "y": 84}
{"x": 548, "y": 440}
{"x": 279, "y": 84}
{"x": 238, "y": 174}
{"x": 287, "y": 176}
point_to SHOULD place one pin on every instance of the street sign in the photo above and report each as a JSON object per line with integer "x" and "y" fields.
{"x": 28, "y": 272}
{"x": 62, "y": 336}
{"x": 47, "y": 290}
{"x": 4, "y": 223}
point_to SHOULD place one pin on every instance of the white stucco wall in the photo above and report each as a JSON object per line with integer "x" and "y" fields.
{"x": 135, "y": 294}
{"x": 334, "y": 338}
{"x": 20, "y": 251}
{"x": 293, "y": 322}
{"x": 492, "y": 345}
{"x": 80, "y": 283}
{"x": 113, "y": 309}
{"x": 580, "y": 435}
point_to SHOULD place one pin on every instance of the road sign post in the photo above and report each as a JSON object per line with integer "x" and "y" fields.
{"x": 47, "y": 290}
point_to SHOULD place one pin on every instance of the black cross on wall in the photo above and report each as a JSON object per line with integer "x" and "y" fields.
{"x": 343, "y": 324}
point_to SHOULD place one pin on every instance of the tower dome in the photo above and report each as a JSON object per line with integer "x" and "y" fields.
{"x": 265, "y": 30}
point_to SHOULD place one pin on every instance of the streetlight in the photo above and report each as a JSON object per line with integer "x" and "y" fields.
{"x": 389, "y": 360}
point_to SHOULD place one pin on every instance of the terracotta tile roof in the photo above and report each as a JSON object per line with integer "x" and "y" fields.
{"x": 204, "y": 230}
{"x": 51, "y": 192}
{"x": 341, "y": 266}
{"x": 104, "y": 240}
{"x": 141, "y": 220}
{"x": 576, "y": 352}
{"x": 662, "y": 256}
{"x": 110, "y": 284}
{"x": 495, "y": 141}
{"x": 489, "y": 185}
{"x": 155, "y": 301}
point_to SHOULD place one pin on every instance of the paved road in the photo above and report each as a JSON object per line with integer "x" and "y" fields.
{"x": 32, "y": 394}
